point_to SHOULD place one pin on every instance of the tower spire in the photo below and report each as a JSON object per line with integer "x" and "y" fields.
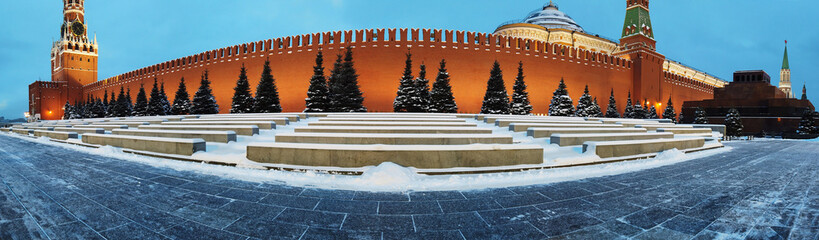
{"x": 804, "y": 91}
{"x": 785, "y": 64}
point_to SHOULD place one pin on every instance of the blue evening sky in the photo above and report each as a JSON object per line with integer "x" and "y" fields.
{"x": 718, "y": 37}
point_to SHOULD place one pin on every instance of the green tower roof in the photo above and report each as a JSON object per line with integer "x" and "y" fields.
{"x": 785, "y": 60}
{"x": 637, "y": 17}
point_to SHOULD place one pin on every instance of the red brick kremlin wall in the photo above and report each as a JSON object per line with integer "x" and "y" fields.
{"x": 379, "y": 59}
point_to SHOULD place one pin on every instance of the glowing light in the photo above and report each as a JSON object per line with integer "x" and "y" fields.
{"x": 27, "y": 114}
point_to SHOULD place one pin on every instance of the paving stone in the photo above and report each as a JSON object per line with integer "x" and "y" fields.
{"x": 324, "y": 193}
{"x": 685, "y": 224}
{"x": 766, "y": 232}
{"x": 321, "y": 234}
{"x": 245, "y": 195}
{"x": 423, "y": 235}
{"x": 440, "y": 195}
{"x": 266, "y": 229}
{"x": 190, "y": 230}
{"x": 204, "y": 188}
{"x": 594, "y": 232}
{"x": 663, "y": 233}
{"x": 512, "y": 215}
{"x": 484, "y": 193}
{"x": 290, "y": 201}
{"x": 359, "y": 222}
{"x": 469, "y": 205}
{"x": 348, "y": 206}
{"x": 521, "y": 200}
{"x": 450, "y": 221}
{"x": 253, "y": 210}
{"x": 381, "y": 196}
{"x": 395, "y": 208}
{"x": 621, "y": 228}
{"x": 213, "y": 218}
{"x": 566, "y": 206}
{"x": 22, "y": 228}
{"x": 311, "y": 218}
{"x": 556, "y": 226}
{"x": 132, "y": 231}
{"x": 522, "y": 230}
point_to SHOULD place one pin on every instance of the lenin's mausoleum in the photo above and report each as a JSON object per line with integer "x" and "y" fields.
{"x": 550, "y": 44}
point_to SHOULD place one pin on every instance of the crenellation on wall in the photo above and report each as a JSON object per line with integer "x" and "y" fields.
{"x": 403, "y": 38}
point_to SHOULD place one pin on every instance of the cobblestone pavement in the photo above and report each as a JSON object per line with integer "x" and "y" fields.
{"x": 761, "y": 190}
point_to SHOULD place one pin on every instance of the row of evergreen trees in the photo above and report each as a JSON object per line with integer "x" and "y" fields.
{"x": 339, "y": 93}
{"x": 157, "y": 105}
{"x": 496, "y": 100}
{"x": 414, "y": 94}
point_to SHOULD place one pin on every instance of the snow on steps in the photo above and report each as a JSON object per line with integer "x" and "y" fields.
{"x": 180, "y": 146}
{"x": 279, "y": 121}
{"x": 247, "y": 130}
{"x": 208, "y": 136}
{"x": 267, "y": 125}
{"x": 609, "y": 149}
{"x": 548, "y": 132}
{"x": 394, "y": 139}
{"x": 522, "y": 127}
{"x": 418, "y": 156}
{"x": 578, "y": 139}
{"x": 376, "y": 123}
{"x": 400, "y": 129}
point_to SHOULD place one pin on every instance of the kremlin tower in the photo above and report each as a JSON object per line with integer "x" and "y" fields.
{"x": 785, "y": 75}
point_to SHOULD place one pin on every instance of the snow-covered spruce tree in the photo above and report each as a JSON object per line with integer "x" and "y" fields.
{"x": 267, "y": 94}
{"x": 334, "y": 85}
{"x": 595, "y": 109}
{"x": 203, "y": 101}
{"x": 163, "y": 99}
{"x": 520, "y": 97}
{"x": 700, "y": 116}
{"x": 406, "y": 88}
{"x": 680, "y": 119}
{"x": 629, "y": 112}
{"x": 733, "y": 123}
{"x": 129, "y": 104}
{"x": 562, "y": 104}
{"x": 105, "y": 97}
{"x": 652, "y": 113}
{"x": 181, "y": 100}
{"x": 419, "y": 100}
{"x": 242, "y": 100}
{"x": 110, "y": 109}
{"x": 350, "y": 94}
{"x": 584, "y": 104}
{"x": 155, "y": 107}
{"x": 318, "y": 99}
{"x": 67, "y": 110}
{"x": 141, "y": 105}
{"x": 105, "y": 103}
{"x": 496, "y": 100}
{"x": 669, "y": 112}
{"x": 807, "y": 125}
{"x": 95, "y": 109}
{"x": 611, "y": 109}
{"x": 441, "y": 99}
{"x": 638, "y": 112}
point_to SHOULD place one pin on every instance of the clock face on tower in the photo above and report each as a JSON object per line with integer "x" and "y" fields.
{"x": 77, "y": 28}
